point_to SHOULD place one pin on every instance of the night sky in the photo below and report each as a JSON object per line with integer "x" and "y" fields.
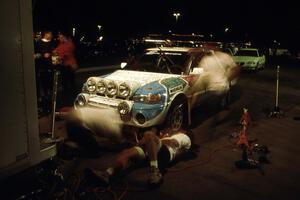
{"x": 255, "y": 20}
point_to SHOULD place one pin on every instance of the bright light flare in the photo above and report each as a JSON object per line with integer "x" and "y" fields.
{"x": 73, "y": 31}
{"x": 105, "y": 122}
{"x": 176, "y": 15}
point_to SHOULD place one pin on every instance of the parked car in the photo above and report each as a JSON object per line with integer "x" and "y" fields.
{"x": 160, "y": 87}
{"x": 250, "y": 59}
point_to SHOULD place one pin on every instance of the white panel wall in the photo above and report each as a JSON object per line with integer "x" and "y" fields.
{"x": 19, "y": 137}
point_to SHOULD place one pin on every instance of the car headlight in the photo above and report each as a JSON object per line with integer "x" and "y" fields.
{"x": 124, "y": 90}
{"x": 111, "y": 89}
{"x": 81, "y": 100}
{"x": 149, "y": 98}
{"x": 123, "y": 108}
{"x": 91, "y": 84}
{"x": 101, "y": 87}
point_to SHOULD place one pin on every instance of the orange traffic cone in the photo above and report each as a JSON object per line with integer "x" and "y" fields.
{"x": 245, "y": 119}
{"x": 243, "y": 138}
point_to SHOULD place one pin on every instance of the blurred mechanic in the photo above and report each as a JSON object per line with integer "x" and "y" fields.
{"x": 83, "y": 130}
{"x": 158, "y": 148}
{"x": 218, "y": 72}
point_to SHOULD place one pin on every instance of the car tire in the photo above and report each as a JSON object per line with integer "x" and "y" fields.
{"x": 177, "y": 115}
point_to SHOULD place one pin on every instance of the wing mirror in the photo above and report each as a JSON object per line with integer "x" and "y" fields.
{"x": 123, "y": 65}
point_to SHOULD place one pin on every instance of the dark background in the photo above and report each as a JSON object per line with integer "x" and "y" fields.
{"x": 259, "y": 21}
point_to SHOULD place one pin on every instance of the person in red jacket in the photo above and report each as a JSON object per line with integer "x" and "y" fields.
{"x": 68, "y": 65}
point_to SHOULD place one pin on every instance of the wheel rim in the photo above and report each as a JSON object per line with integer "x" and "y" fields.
{"x": 176, "y": 117}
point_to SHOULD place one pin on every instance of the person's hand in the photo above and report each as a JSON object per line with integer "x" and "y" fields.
{"x": 47, "y": 55}
{"x": 37, "y": 55}
{"x": 74, "y": 67}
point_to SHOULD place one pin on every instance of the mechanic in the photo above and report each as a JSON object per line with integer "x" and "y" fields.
{"x": 218, "y": 70}
{"x": 159, "y": 148}
{"x": 90, "y": 130}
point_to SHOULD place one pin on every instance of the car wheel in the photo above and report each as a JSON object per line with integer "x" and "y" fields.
{"x": 177, "y": 115}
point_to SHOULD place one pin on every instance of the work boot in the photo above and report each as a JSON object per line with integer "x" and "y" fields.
{"x": 101, "y": 177}
{"x": 155, "y": 177}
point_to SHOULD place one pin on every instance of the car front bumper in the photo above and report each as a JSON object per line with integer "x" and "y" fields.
{"x": 132, "y": 113}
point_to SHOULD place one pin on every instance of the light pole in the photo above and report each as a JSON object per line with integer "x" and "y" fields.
{"x": 73, "y": 32}
{"x": 176, "y": 15}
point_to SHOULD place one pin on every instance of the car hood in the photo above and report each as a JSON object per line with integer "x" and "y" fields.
{"x": 245, "y": 59}
{"x": 137, "y": 79}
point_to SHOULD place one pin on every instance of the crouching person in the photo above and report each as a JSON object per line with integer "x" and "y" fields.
{"x": 158, "y": 148}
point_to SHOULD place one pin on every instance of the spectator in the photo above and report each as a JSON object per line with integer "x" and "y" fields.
{"x": 66, "y": 52}
{"x": 44, "y": 71}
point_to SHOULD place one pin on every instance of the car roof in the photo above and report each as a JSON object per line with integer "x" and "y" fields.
{"x": 170, "y": 49}
{"x": 190, "y": 50}
{"x": 249, "y": 49}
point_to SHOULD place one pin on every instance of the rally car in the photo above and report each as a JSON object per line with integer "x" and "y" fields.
{"x": 156, "y": 88}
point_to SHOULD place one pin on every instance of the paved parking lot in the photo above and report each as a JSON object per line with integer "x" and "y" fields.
{"x": 210, "y": 172}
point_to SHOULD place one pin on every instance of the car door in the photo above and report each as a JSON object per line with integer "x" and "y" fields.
{"x": 197, "y": 89}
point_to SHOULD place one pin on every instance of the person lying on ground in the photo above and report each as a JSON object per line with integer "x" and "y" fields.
{"x": 158, "y": 148}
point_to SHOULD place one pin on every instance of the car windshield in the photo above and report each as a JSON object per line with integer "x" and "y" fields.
{"x": 252, "y": 53}
{"x": 165, "y": 62}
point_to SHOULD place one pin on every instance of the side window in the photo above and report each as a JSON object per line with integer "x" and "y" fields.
{"x": 194, "y": 64}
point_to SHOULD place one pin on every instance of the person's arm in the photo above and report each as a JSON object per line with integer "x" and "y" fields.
{"x": 152, "y": 130}
{"x": 37, "y": 51}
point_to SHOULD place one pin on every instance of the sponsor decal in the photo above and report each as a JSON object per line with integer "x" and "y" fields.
{"x": 175, "y": 89}
{"x": 174, "y": 84}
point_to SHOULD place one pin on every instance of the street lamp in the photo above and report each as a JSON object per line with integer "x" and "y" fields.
{"x": 73, "y": 31}
{"x": 176, "y": 15}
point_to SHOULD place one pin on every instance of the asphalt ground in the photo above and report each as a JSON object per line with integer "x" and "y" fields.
{"x": 209, "y": 172}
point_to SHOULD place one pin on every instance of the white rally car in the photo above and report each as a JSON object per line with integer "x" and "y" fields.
{"x": 250, "y": 59}
{"x": 158, "y": 88}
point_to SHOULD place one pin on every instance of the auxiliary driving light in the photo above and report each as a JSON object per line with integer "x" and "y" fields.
{"x": 111, "y": 89}
{"x": 81, "y": 100}
{"x": 123, "y": 108}
{"x": 91, "y": 84}
{"x": 124, "y": 90}
{"x": 101, "y": 87}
